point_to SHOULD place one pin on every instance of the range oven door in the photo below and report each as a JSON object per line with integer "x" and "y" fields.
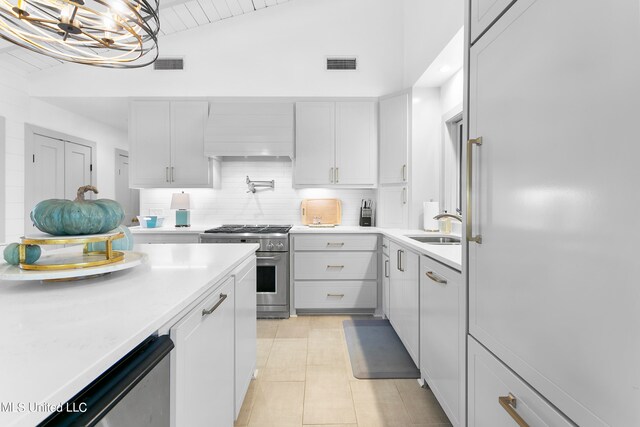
{"x": 273, "y": 279}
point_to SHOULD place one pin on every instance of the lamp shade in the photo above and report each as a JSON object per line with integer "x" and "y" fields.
{"x": 180, "y": 201}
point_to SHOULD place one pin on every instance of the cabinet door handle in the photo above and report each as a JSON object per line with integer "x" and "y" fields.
{"x": 335, "y": 244}
{"x": 331, "y": 175}
{"x": 404, "y": 195}
{"x": 384, "y": 246}
{"x": 166, "y": 173}
{"x": 431, "y": 275}
{"x": 404, "y": 173}
{"x": 336, "y": 295}
{"x": 509, "y": 405}
{"x": 386, "y": 268}
{"x": 337, "y": 174}
{"x": 172, "y": 179}
{"x": 470, "y": 144}
{"x": 206, "y": 312}
{"x": 335, "y": 266}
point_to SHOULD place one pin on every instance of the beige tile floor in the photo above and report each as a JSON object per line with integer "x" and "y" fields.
{"x": 305, "y": 379}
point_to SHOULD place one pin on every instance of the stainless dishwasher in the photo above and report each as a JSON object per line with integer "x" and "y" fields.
{"x": 133, "y": 392}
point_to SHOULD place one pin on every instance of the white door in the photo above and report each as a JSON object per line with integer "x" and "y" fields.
{"x": 48, "y": 175}
{"x": 189, "y": 166}
{"x": 394, "y": 134}
{"x": 150, "y": 143}
{"x": 129, "y": 198}
{"x": 202, "y": 363}
{"x": 356, "y": 150}
{"x": 315, "y": 143}
{"x": 77, "y": 170}
{"x": 393, "y": 207}
{"x": 550, "y": 294}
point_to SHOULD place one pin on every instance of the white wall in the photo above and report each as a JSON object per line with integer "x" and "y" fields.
{"x": 18, "y": 108}
{"x": 425, "y": 151}
{"x": 232, "y": 203}
{"x": 277, "y": 51}
{"x": 451, "y": 92}
{"x": 428, "y": 27}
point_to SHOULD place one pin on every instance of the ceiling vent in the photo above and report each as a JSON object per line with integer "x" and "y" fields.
{"x": 342, "y": 63}
{"x": 169, "y": 64}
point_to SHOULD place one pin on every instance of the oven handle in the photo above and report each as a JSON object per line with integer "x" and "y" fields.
{"x": 266, "y": 257}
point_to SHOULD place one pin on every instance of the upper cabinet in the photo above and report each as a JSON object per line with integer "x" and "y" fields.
{"x": 394, "y": 139}
{"x": 167, "y": 144}
{"x": 484, "y": 13}
{"x": 335, "y": 144}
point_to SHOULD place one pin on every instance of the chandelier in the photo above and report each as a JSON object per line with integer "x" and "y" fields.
{"x": 103, "y": 33}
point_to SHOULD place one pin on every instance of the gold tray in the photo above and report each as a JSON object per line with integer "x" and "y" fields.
{"x": 86, "y": 260}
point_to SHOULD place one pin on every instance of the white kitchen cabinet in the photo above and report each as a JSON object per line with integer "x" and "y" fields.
{"x": 484, "y": 13}
{"x": 394, "y": 139}
{"x": 442, "y": 335}
{"x": 167, "y": 144}
{"x": 315, "y": 143}
{"x": 393, "y": 207}
{"x": 202, "y": 373}
{"x": 386, "y": 279}
{"x": 335, "y": 271}
{"x": 490, "y": 381}
{"x": 356, "y": 153}
{"x": 557, "y": 308}
{"x": 335, "y": 144}
{"x": 245, "y": 330}
{"x": 404, "y": 299}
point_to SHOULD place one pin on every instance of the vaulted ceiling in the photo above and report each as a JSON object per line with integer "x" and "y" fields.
{"x": 175, "y": 16}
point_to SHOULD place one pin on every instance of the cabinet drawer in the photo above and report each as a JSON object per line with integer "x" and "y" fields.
{"x": 312, "y": 295}
{"x": 490, "y": 379}
{"x": 336, "y": 265}
{"x": 336, "y": 242}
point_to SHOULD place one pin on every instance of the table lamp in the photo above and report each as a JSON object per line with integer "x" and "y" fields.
{"x": 181, "y": 203}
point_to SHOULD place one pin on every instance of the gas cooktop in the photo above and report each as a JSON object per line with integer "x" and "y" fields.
{"x": 250, "y": 229}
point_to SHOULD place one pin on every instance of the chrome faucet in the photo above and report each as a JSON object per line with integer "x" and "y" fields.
{"x": 448, "y": 215}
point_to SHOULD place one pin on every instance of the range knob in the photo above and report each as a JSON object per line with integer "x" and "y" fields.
{"x": 280, "y": 245}
{"x": 270, "y": 246}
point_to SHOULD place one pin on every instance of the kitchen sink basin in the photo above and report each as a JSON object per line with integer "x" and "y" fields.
{"x": 437, "y": 240}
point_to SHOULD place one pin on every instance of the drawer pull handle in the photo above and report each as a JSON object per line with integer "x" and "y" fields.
{"x": 336, "y": 295}
{"x": 509, "y": 405}
{"x": 431, "y": 275}
{"x": 335, "y": 266}
{"x": 206, "y": 312}
{"x": 335, "y": 244}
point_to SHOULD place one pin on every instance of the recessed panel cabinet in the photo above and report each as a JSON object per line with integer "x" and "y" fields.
{"x": 167, "y": 144}
{"x": 394, "y": 139}
{"x": 336, "y": 144}
{"x": 404, "y": 310}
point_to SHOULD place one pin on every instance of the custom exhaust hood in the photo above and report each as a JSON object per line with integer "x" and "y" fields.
{"x": 250, "y": 129}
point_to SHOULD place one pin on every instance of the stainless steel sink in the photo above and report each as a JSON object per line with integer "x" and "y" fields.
{"x": 437, "y": 240}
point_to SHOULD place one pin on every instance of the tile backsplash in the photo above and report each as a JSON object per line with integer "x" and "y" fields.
{"x": 232, "y": 203}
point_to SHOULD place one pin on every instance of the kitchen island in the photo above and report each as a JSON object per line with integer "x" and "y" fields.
{"x": 59, "y": 336}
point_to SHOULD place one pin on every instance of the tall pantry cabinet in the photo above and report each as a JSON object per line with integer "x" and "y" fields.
{"x": 553, "y": 310}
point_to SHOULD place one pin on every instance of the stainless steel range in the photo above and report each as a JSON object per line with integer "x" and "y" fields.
{"x": 273, "y": 262}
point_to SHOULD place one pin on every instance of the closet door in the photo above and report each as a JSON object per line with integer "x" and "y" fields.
{"x": 48, "y": 175}
{"x": 77, "y": 169}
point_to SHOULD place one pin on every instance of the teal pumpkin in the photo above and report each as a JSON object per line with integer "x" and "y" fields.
{"x": 60, "y": 217}
{"x": 124, "y": 244}
{"x": 12, "y": 254}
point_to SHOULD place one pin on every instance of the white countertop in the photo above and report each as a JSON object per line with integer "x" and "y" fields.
{"x": 58, "y": 337}
{"x": 450, "y": 255}
{"x": 194, "y": 229}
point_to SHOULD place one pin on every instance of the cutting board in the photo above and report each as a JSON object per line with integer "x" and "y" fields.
{"x": 328, "y": 210}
